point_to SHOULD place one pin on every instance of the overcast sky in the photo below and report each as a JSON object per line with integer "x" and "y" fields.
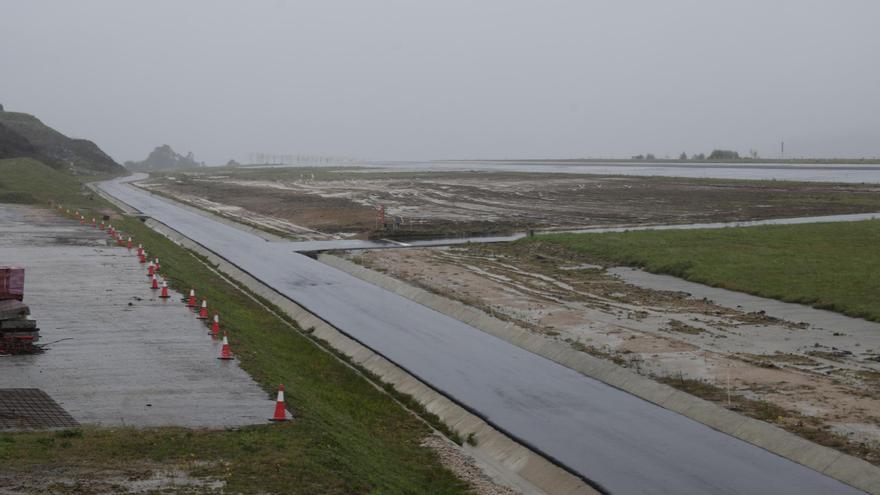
{"x": 448, "y": 79}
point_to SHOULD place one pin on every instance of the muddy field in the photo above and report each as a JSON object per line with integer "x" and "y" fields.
{"x": 332, "y": 203}
{"x": 821, "y": 383}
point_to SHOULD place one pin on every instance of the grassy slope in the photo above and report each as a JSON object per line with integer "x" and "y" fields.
{"x": 348, "y": 437}
{"x": 832, "y": 266}
{"x": 24, "y": 180}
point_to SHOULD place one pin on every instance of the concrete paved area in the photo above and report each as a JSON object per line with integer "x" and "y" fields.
{"x": 129, "y": 358}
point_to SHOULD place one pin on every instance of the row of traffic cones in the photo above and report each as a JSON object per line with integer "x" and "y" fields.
{"x": 153, "y": 268}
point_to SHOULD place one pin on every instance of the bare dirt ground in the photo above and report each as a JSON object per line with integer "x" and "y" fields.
{"x": 145, "y": 477}
{"x": 136, "y": 478}
{"x": 784, "y": 372}
{"x": 331, "y": 203}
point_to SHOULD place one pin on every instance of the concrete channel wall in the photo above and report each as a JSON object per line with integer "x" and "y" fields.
{"x": 527, "y": 470}
{"x": 830, "y": 462}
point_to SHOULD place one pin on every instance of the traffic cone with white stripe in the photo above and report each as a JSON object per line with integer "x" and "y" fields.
{"x": 203, "y": 313}
{"x": 155, "y": 283}
{"x": 142, "y": 258}
{"x": 225, "y": 352}
{"x": 191, "y": 302}
{"x": 164, "y": 294}
{"x": 151, "y": 270}
{"x": 129, "y": 243}
{"x": 280, "y": 410}
{"x": 156, "y": 262}
{"x": 140, "y": 250}
{"x": 215, "y": 325}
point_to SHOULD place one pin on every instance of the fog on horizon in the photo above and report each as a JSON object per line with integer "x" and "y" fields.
{"x": 451, "y": 79}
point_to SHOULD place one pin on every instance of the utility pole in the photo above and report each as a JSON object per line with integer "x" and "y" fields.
{"x": 782, "y": 150}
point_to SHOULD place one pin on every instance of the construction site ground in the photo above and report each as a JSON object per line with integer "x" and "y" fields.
{"x": 818, "y": 378}
{"x": 332, "y": 203}
{"x": 821, "y": 382}
{"x": 116, "y": 354}
{"x": 159, "y": 413}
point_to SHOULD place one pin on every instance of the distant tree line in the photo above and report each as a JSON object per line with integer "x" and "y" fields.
{"x": 717, "y": 154}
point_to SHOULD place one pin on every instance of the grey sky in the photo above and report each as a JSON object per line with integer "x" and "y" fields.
{"x": 448, "y": 79}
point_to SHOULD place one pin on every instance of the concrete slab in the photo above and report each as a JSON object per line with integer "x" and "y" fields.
{"x": 123, "y": 356}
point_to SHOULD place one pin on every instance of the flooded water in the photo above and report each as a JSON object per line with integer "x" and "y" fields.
{"x": 858, "y": 331}
{"x": 848, "y": 173}
{"x": 852, "y": 173}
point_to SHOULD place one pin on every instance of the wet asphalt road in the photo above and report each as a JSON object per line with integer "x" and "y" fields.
{"x": 621, "y": 442}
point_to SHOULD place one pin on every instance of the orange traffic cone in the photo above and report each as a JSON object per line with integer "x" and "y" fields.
{"x": 225, "y": 353}
{"x": 157, "y": 263}
{"x": 129, "y": 243}
{"x": 215, "y": 326}
{"x": 155, "y": 283}
{"x": 164, "y": 294}
{"x": 140, "y": 250}
{"x": 82, "y": 220}
{"x": 191, "y": 302}
{"x": 102, "y": 225}
{"x": 142, "y": 257}
{"x": 119, "y": 240}
{"x": 94, "y": 222}
{"x": 151, "y": 270}
{"x": 280, "y": 411}
{"x": 203, "y": 313}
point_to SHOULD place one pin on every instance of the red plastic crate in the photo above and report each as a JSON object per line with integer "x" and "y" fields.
{"x": 11, "y": 282}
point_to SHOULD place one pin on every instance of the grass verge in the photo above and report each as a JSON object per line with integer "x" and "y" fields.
{"x": 833, "y": 266}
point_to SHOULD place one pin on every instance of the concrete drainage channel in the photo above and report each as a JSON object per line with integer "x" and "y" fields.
{"x": 118, "y": 353}
{"x": 830, "y": 462}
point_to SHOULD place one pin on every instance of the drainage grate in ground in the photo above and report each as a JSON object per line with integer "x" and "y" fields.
{"x": 31, "y": 409}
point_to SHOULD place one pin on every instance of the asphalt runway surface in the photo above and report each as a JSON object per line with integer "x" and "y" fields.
{"x": 622, "y": 443}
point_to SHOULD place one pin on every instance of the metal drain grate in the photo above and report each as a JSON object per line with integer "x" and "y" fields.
{"x": 31, "y": 409}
